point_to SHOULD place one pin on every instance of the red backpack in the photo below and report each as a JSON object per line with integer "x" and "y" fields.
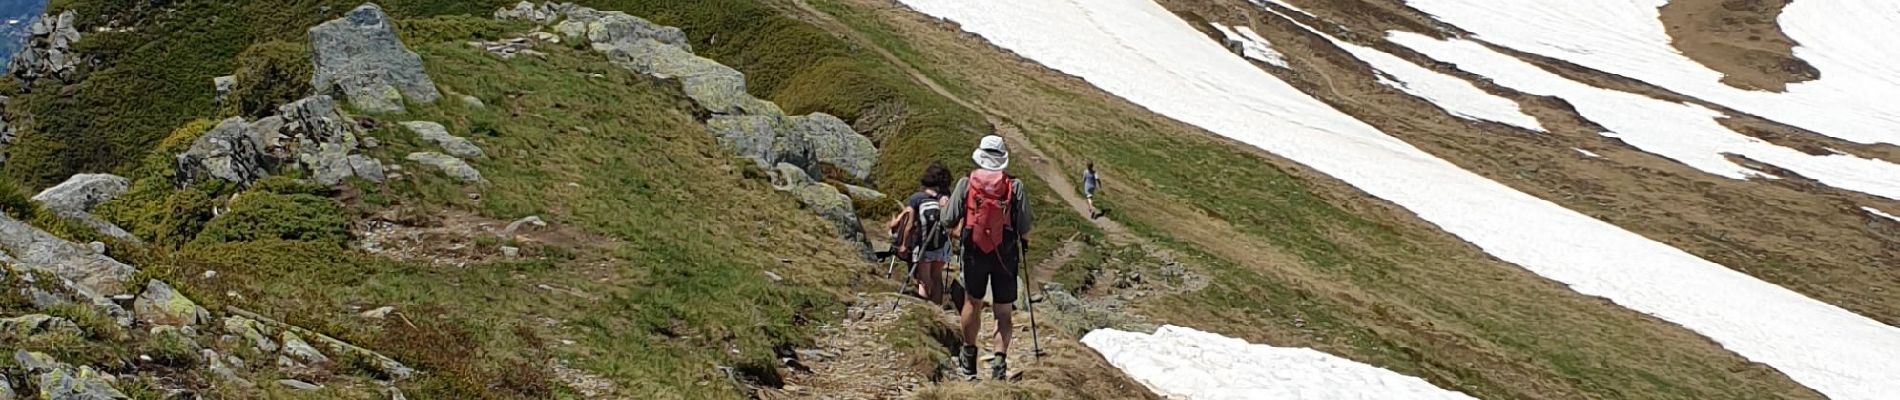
{"x": 987, "y": 208}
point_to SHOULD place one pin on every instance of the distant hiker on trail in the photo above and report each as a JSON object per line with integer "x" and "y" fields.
{"x": 988, "y": 214}
{"x": 1091, "y": 182}
{"x": 922, "y": 239}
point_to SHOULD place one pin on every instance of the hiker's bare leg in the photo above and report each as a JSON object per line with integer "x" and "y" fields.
{"x": 933, "y": 287}
{"x": 1004, "y": 326}
{"x": 971, "y": 322}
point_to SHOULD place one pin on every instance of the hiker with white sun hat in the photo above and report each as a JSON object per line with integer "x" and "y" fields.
{"x": 991, "y": 219}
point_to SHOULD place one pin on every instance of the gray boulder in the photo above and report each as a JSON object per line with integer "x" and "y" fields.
{"x": 834, "y": 142}
{"x": 162, "y": 305}
{"x": 360, "y": 57}
{"x": 619, "y": 27}
{"x": 229, "y": 152}
{"x": 296, "y": 348}
{"x": 48, "y": 51}
{"x": 863, "y": 193}
{"x": 715, "y": 87}
{"x": 763, "y": 139}
{"x": 825, "y": 201}
{"x": 323, "y": 137}
{"x": 76, "y": 197}
{"x": 367, "y": 168}
{"x": 33, "y": 324}
{"x": 451, "y": 166}
{"x": 224, "y": 84}
{"x": 525, "y": 11}
{"x": 220, "y": 370}
{"x": 436, "y": 133}
{"x": 250, "y": 330}
{"x": 58, "y": 381}
{"x": 6, "y": 389}
{"x": 37, "y": 249}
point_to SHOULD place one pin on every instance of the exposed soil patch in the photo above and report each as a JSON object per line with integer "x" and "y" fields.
{"x": 459, "y": 238}
{"x": 1739, "y": 38}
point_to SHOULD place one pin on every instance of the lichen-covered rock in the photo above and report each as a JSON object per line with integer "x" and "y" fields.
{"x": 222, "y": 371}
{"x": 36, "y": 249}
{"x": 6, "y": 389}
{"x": 824, "y": 200}
{"x": 715, "y": 87}
{"x": 224, "y": 85}
{"x": 296, "y": 348}
{"x": 360, "y": 57}
{"x": 229, "y": 151}
{"x": 162, "y": 305}
{"x": 863, "y": 193}
{"x": 438, "y": 134}
{"x": 834, "y": 142}
{"x": 453, "y": 167}
{"x": 763, "y": 139}
{"x": 367, "y": 168}
{"x": 33, "y": 324}
{"x": 76, "y": 197}
{"x": 58, "y": 381}
{"x": 525, "y": 11}
{"x": 619, "y": 27}
{"x": 252, "y": 331}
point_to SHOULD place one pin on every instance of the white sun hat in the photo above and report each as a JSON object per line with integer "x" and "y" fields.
{"x": 991, "y": 154}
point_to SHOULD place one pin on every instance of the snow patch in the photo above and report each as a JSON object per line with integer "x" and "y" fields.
{"x": 1145, "y": 54}
{"x": 1251, "y": 44}
{"x": 1687, "y": 133}
{"x": 1876, "y": 212}
{"x": 1180, "y": 362}
{"x": 1453, "y": 94}
{"x": 1586, "y": 153}
{"x": 1849, "y": 41}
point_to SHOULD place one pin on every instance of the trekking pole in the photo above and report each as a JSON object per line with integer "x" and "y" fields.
{"x": 1035, "y": 341}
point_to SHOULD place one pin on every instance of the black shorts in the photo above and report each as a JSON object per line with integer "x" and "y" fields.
{"x": 992, "y": 273}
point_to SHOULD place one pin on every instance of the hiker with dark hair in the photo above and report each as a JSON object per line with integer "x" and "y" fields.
{"x": 1091, "y": 182}
{"x": 922, "y": 239}
{"x": 989, "y": 214}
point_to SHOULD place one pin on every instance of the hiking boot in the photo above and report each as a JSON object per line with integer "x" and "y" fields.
{"x": 999, "y": 367}
{"x": 966, "y": 361}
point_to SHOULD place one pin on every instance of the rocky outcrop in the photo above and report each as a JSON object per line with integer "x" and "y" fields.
{"x": 765, "y": 140}
{"x": 834, "y": 142}
{"x": 861, "y": 193}
{"x": 162, "y": 305}
{"x": 229, "y": 152}
{"x": 435, "y": 133}
{"x": 451, "y": 166}
{"x": 48, "y": 52}
{"x": 7, "y": 133}
{"x": 58, "y": 381}
{"x": 309, "y": 134}
{"x": 824, "y": 200}
{"x": 75, "y": 198}
{"x": 360, "y": 57}
{"x": 33, "y": 324}
{"x": 371, "y": 359}
{"x": 224, "y": 85}
{"x": 36, "y": 249}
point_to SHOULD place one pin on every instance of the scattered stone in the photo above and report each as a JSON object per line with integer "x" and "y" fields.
{"x": 773, "y": 276}
{"x": 36, "y": 249}
{"x": 33, "y": 324}
{"x": 6, "y": 389}
{"x": 48, "y": 51}
{"x": 451, "y": 166}
{"x": 162, "y": 305}
{"x": 223, "y": 372}
{"x": 360, "y": 57}
{"x": 827, "y": 202}
{"x": 526, "y": 11}
{"x": 58, "y": 381}
{"x": 510, "y": 251}
{"x": 515, "y": 227}
{"x": 367, "y": 168}
{"x": 250, "y": 330}
{"x": 373, "y": 360}
{"x": 473, "y": 102}
{"x": 369, "y": 142}
{"x": 295, "y": 347}
{"x": 378, "y": 312}
{"x": 229, "y": 152}
{"x": 224, "y": 84}
{"x": 324, "y": 138}
{"x": 436, "y": 133}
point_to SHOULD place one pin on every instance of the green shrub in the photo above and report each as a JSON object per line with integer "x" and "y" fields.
{"x": 257, "y": 216}
{"x": 270, "y": 74}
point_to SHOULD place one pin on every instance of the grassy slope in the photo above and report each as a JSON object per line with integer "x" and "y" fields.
{"x": 1298, "y": 259}
{"x": 669, "y": 281}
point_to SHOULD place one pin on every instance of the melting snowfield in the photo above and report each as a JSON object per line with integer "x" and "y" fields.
{"x": 1139, "y": 51}
{"x": 1687, "y": 133}
{"x": 1182, "y": 362}
{"x": 1252, "y": 45}
{"x": 1850, "y": 41}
